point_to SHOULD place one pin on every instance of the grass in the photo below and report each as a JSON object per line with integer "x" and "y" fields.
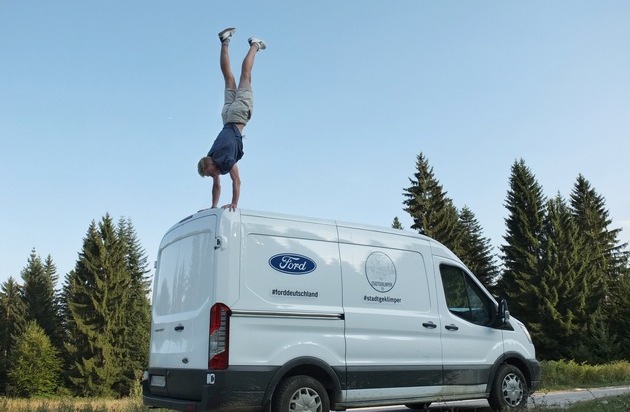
{"x": 559, "y": 375}
{"x": 556, "y": 375}
{"x": 74, "y": 405}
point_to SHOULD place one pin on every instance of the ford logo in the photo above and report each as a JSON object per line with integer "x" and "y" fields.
{"x": 292, "y": 264}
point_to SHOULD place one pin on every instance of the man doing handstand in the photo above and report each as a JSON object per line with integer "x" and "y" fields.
{"x": 227, "y": 149}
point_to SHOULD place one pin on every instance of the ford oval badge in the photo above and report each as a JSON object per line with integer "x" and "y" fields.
{"x": 292, "y": 264}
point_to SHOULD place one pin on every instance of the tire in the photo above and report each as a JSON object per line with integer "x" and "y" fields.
{"x": 300, "y": 394}
{"x": 509, "y": 390}
{"x": 423, "y": 406}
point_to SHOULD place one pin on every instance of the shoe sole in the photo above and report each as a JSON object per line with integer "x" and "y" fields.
{"x": 261, "y": 44}
{"x": 229, "y": 31}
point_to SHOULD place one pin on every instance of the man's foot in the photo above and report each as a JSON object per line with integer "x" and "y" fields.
{"x": 226, "y": 34}
{"x": 259, "y": 43}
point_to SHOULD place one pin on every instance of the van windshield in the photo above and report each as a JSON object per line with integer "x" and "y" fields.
{"x": 184, "y": 276}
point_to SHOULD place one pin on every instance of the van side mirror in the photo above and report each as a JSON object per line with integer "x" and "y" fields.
{"x": 503, "y": 314}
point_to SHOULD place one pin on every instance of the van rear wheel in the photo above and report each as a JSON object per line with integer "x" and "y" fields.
{"x": 300, "y": 394}
{"x": 509, "y": 390}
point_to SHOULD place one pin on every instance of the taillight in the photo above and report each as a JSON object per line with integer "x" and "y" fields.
{"x": 219, "y": 336}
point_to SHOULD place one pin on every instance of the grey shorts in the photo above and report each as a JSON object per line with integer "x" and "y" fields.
{"x": 238, "y": 106}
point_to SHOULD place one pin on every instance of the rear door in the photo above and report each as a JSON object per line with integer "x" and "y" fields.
{"x": 183, "y": 294}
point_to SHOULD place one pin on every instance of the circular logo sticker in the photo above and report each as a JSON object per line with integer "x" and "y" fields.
{"x": 380, "y": 272}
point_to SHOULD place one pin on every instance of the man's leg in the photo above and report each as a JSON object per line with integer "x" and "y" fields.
{"x": 228, "y": 76}
{"x": 245, "y": 82}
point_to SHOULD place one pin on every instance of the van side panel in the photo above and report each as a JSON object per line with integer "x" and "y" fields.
{"x": 290, "y": 302}
{"x": 392, "y": 322}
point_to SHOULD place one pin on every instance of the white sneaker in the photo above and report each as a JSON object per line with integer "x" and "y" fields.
{"x": 260, "y": 43}
{"x": 226, "y": 34}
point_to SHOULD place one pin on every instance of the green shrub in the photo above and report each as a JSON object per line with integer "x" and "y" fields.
{"x": 35, "y": 365}
{"x": 570, "y": 374}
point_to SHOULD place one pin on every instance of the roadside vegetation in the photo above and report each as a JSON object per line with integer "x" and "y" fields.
{"x": 565, "y": 375}
{"x": 559, "y": 375}
{"x": 74, "y": 405}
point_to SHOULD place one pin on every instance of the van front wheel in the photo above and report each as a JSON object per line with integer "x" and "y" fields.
{"x": 300, "y": 394}
{"x": 509, "y": 389}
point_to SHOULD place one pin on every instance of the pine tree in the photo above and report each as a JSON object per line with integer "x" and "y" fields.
{"x": 476, "y": 251}
{"x": 608, "y": 261}
{"x": 40, "y": 297}
{"x": 396, "y": 224}
{"x": 12, "y": 323}
{"x": 522, "y": 251}
{"x": 567, "y": 321}
{"x": 107, "y": 311}
{"x": 96, "y": 294}
{"x": 589, "y": 210}
{"x": 137, "y": 325}
{"x": 432, "y": 211}
{"x": 35, "y": 364}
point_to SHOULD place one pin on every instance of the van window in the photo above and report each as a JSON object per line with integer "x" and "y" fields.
{"x": 184, "y": 278}
{"x": 464, "y": 298}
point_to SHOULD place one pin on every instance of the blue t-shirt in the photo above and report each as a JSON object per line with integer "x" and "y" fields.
{"x": 227, "y": 149}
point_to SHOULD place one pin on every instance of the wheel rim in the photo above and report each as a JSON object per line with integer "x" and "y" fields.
{"x": 513, "y": 389}
{"x": 305, "y": 400}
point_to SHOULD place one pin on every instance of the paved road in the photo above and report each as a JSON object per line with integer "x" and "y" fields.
{"x": 556, "y": 399}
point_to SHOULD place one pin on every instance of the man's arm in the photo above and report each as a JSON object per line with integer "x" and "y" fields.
{"x": 236, "y": 188}
{"x": 216, "y": 191}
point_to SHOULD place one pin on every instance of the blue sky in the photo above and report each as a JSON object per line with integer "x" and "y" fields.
{"x": 106, "y": 107}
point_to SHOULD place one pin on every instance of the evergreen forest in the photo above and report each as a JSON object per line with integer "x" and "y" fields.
{"x": 89, "y": 338}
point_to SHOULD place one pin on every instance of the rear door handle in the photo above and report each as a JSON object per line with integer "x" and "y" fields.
{"x": 179, "y": 328}
{"x": 429, "y": 325}
{"x": 451, "y": 327}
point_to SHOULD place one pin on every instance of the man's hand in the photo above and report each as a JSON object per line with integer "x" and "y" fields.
{"x": 231, "y": 207}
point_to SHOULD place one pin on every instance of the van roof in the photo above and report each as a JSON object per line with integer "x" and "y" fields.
{"x": 437, "y": 247}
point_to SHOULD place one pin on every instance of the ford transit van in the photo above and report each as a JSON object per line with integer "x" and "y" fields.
{"x": 256, "y": 311}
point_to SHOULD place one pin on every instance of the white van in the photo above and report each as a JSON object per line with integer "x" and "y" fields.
{"x": 257, "y": 311}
